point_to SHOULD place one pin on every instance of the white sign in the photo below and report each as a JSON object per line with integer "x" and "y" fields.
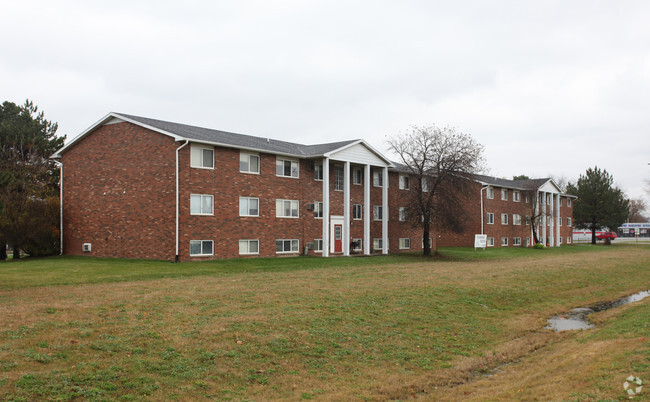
{"x": 480, "y": 241}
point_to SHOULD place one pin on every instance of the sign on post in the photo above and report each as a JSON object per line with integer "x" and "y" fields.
{"x": 480, "y": 241}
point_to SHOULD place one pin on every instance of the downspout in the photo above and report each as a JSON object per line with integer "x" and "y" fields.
{"x": 60, "y": 206}
{"x": 176, "y": 259}
{"x": 482, "y": 212}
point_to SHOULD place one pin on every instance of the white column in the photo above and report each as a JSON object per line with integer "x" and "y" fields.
{"x": 557, "y": 220}
{"x": 346, "y": 209}
{"x": 366, "y": 210}
{"x": 384, "y": 209}
{"x": 551, "y": 223}
{"x": 544, "y": 218}
{"x": 326, "y": 207}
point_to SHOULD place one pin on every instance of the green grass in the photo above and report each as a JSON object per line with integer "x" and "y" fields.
{"x": 70, "y": 270}
{"x": 302, "y": 328}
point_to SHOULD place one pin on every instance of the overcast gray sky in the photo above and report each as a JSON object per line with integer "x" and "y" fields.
{"x": 548, "y": 87}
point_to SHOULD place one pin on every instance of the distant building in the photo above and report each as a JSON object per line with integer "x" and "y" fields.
{"x": 634, "y": 230}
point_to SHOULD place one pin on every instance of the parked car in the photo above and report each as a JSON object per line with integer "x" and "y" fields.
{"x": 606, "y": 235}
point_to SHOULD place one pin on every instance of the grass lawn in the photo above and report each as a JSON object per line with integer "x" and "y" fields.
{"x": 465, "y": 326}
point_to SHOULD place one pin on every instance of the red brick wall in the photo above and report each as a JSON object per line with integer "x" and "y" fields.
{"x": 119, "y": 195}
{"x": 120, "y": 202}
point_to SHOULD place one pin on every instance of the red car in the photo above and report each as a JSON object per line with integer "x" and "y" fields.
{"x": 606, "y": 235}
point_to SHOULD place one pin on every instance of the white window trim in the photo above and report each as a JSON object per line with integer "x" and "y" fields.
{"x": 381, "y": 213}
{"x": 360, "y": 244}
{"x": 321, "y": 245}
{"x": 568, "y": 221}
{"x": 403, "y": 213}
{"x": 317, "y": 209}
{"x": 360, "y": 209}
{"x": 316, "y": 165}
{"x": 490, "y": 242}
{"x": 489, "y": 194}
{"x": 504, "y": 216}
{"x": 249, "y": 154}
{"x": 516, "y": 219}
{"x": 380, "y": 175}
{"x": 278, "y": 159}
{"x": 201, "y": 255}
{"x": 195, "y": 146}
{"x": 201, "y": 203}
{"x": 516, "y": 196}
{"x": 568, "y": 202}
{"x": 516, "y": 241}
{"x": 354, "y": 176}
{"x": 505, "y": 243}
{"x": 377, "y": 243}
{"x": 277, "y": 212}
{"x": 258, "y": 206}
{"x": 342, "y": 170}
{"x": 400, "y": 243}
{"x": 487, "y": 218}
{"x": 287, "y": 252}
{"x": 504, "y": 194}
{"x": 248, "y": 241}
{"x": 400, "y": 182}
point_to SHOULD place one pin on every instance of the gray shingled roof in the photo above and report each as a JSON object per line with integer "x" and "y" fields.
{"x": 239, "y": 140}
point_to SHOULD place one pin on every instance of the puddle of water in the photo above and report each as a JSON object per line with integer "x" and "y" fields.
{"x": 577, "y": 318}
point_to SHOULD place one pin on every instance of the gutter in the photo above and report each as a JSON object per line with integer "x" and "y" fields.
{"x": 176, "y": 259}
{"x": 60, "y": 205}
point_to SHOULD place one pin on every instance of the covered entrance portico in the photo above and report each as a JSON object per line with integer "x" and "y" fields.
{"x": 336, "y": 229}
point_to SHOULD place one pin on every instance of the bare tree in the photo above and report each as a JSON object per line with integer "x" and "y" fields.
{"x": 531, "y": 197}
{"x": 637, "y": 209}
{"x": 442, "y": 162}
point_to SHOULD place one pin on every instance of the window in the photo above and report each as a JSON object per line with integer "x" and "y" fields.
{"x": 490, "y": 193}
{"x": 357, "y": 244}
{"x": 286, "y": 246}
{"x": 377, "y": 244}
{"x": 404, "y": 182}
{"x": 516, "y": 196}
{"x": 403, "y": 214}
{"x": 504, "y": 241}
{"x": 201, "y": 204}
{"x": 504, "y": 219}
{"x": 527, "y": 220}
{"x": 560, "y": 240}
{"x": 504, "y": 194}
{"x": 516, "y": 241}
{"x": 286, "y": 208}
{"x": 377, "y": 178}
{"x": 568, "y": 221}
{"x": 559, "y": 222}
{"x": 516, "y": 219}
{"x": 490, "y": 241}
{"x": 425, "y": 184}
{"x": 568, "y": 202}
{"x": 527, "y": 199}
{"x": 404, "y": 243}
{"x": 357, "y": 213}
{"x": 249, "y": 206}
{"x": 202, "y": 157}
{"x": 338, "y": 178}
{"x": 357, "y": 176}
{"x": 568, "y": 240}
{"x": 318, "y": 245}
{"x": 286, "y": 168}
{"x": 527, "y": 241}
{"x": 249, "y": 247}
{"x": 490, "y": 218}
{"x": 318, "y": 209}
{"x": 318, "y": 172}
{"x": 249, "y": 163}
{"x": 377, "y": 212}
{"x": 200, "y": 247}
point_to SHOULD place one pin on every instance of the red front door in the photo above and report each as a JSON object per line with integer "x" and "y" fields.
{"x": 338, "y": 238}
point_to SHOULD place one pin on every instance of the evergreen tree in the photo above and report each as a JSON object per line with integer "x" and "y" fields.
{"x": 28, "y": 177}
{"x": 600, "y": 203}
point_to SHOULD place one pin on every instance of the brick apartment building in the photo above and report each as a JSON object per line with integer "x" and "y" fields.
{"x": 136, "y": 187}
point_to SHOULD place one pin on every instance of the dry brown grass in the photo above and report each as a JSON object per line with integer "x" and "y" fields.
{"x": 426, "y": 330}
